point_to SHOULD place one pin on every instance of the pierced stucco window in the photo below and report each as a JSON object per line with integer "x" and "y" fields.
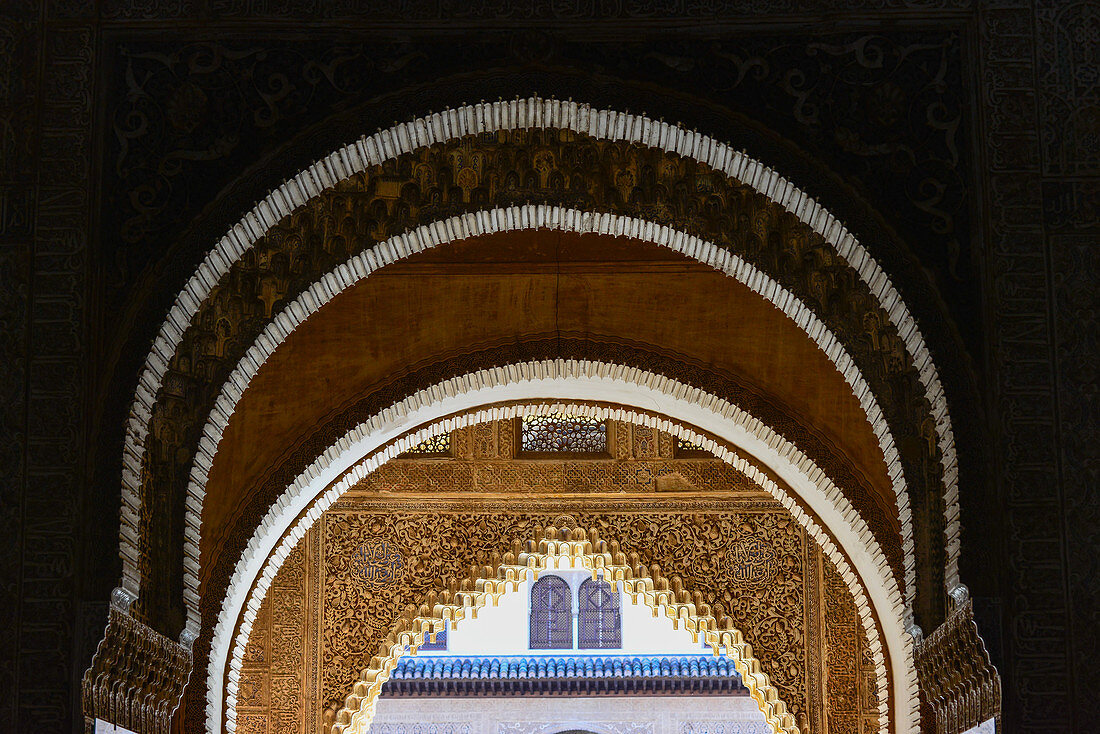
{"x": 558, "y": 434}
{"x": 435, "y": 447}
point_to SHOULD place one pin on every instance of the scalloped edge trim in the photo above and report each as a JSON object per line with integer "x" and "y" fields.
{"x": 525, "y": 217}
{"x": 531, "y": 112}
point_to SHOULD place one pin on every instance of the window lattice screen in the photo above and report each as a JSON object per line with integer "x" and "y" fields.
{"x": 551, "y": 614}
{"x": 599, "y": 622}
{"x": 561, "y": 433}
{"x": 435, "y": 446}
{"x": 689, "y": 448}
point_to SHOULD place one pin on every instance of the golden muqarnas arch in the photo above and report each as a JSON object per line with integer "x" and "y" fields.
{"x": 562, "y": 545}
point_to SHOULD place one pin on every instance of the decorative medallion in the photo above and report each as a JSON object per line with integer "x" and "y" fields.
{"x": 565, "y": 522}
{"x": 378, "y": 563}
{"x": 752, "y": 561}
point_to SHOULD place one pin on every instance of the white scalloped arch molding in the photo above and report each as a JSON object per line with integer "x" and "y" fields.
{"x": 533, "y": 112}
{"x": 554, "y": 385}
{"x": 526, "y": 217}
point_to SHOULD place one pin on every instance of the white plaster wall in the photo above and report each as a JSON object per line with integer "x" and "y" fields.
{"x": 504, "y": 629}
{"x": 550, "y": 715}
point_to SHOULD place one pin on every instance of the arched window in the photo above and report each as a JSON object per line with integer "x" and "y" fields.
{"x": 551, "y": 614}
{"x": 599, "y": 623}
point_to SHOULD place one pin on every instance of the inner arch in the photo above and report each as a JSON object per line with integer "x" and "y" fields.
{"x": 564, "y": 548}
{"x": 528, "y": 113}
{"x": 898, "y": 690}
{"x": 547, "y": 290}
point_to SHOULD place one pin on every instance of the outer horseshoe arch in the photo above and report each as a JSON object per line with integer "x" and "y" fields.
{"x": 545, "y": 386}
{"x": 566, "y": 547}
{"x": 528, "y": 217}
{"x": 526, "y": 113}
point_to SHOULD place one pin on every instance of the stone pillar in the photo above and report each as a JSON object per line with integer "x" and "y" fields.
{"x": 136, "y": 678}
{"x": 958, "y": 683}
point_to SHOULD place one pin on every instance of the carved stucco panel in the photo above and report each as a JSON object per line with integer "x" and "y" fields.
{"x": 438, "y": 545}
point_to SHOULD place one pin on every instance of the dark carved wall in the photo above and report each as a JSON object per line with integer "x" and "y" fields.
{"x": 132, "y": 134}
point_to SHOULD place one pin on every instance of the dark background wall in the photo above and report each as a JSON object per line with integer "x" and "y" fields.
{"x": 960, "y": 140}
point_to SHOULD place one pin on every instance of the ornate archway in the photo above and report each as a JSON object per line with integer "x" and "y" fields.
{"x": 461, "y": 175}
{"x": 861, "y": 570}
{"x": 560, "y": 545}
{"x": 888, "y": 318}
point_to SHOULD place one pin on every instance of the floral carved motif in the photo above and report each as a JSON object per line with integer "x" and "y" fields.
{"x": 269, "y": 698}
{"x": 441, "y": 546}
{"x": 745, "y": 555}
{"x": 841, "y": 651}
{"x": 572, "y": 546}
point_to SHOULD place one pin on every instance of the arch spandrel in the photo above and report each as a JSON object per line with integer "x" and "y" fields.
{"x": 339, "y": 357}
{"x": 670, "y": 546}
{"x": 700, "y": 200}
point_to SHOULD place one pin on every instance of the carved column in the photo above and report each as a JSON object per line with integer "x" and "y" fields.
{"x": 137, "y": 676}
{"x": 957, "y": 680}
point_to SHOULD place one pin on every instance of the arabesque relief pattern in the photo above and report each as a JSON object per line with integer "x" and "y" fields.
{"x": 851, "y": 705}
{"x": 562, "y": 544}
{"x": 483, "y": 462}
{"x": 761, "y": 578}
{"x": 514, "y": 167}
{"x": 270, "y": 697}
{"x": 439, "y": 546}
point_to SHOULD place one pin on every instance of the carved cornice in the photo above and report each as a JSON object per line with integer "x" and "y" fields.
{"x": 136, "y": 678}
{"x": 957, "y": 679}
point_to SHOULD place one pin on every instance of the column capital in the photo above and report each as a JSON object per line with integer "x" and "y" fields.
{"x": 136, "y": 678}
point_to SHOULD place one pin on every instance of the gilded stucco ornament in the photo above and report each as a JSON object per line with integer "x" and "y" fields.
{"x": 559, "y": 547}
{"x": 315, "y": 491}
